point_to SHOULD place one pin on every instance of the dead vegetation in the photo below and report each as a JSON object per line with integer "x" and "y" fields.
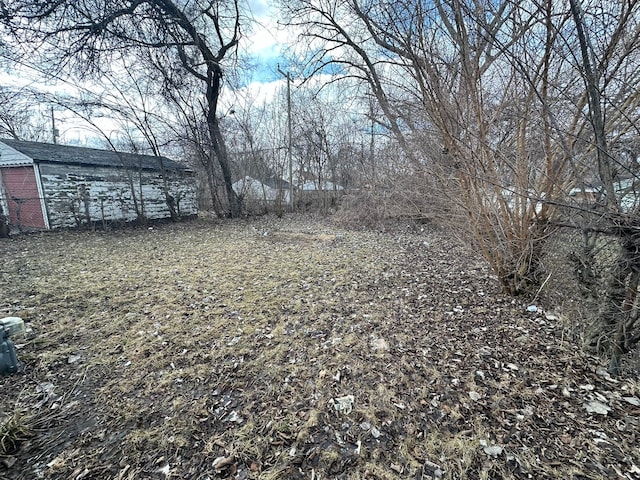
{"x": 284, "y": 348}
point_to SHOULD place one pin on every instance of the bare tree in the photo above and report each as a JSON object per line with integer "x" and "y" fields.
{"x": 187, "y": 40}
{"x": 19, "y": 115}
{"x": 512, "y": 107}
{"x": 457, "y": 108}
{"x": 608, "y": 62}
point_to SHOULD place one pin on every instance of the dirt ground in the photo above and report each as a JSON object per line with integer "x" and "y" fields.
{"x": 291, "y": 348}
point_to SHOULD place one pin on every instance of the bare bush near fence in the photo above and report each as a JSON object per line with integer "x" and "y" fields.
{"x": 523, "y": 119}
{"x": 486, "y": 119}
{"x": 383, "y": 205}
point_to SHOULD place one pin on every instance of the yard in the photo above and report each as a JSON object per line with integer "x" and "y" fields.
{"x": 291, "y": 348}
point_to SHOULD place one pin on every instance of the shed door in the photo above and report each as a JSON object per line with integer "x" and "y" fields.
{"x": 23, "y": 199}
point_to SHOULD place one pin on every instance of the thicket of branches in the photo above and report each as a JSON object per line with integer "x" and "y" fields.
{"x": 525, "y": 112}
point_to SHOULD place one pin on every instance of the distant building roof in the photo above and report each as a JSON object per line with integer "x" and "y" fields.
{"x": 275, "y": 182}
{"x": 256, "y": 190}
{"x": 49, "y": 152}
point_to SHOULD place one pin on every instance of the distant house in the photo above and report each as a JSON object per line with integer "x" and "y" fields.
{"x": 627, "y": 192}
{"x": 585, "y": 194}
{"x": 267, "y": 191}
{"x": 46, "y": 186}
{"x": 324, "y": 186}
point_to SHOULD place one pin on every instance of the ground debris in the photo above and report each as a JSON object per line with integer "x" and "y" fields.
{"x": 293, "y": 356}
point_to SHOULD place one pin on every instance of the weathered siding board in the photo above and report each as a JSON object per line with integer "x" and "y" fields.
{"x": 73, "y": 192}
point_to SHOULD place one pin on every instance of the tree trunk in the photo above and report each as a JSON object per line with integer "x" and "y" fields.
{"x": 217, "y": 140}
{"x": 220, "y": 151}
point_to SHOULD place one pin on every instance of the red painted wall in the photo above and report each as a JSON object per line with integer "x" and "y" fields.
{"x": 25, "y": 209}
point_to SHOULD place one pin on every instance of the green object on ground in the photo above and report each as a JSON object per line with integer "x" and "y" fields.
{"x": 9, "y": 363}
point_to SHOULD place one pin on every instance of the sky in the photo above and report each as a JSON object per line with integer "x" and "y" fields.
{"x": 263, "y": 46}
{"x": 265, "y": 41}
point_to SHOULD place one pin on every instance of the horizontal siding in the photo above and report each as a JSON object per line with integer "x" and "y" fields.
{"x": 72, "y": 191}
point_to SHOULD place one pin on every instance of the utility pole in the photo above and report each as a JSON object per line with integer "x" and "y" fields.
{"x": 290, "y": 139}
{"x": 54, "y": 130}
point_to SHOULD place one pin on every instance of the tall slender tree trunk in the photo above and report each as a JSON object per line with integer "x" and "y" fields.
{"x": 221, "y": 153}
{"x": 217, "y": 140}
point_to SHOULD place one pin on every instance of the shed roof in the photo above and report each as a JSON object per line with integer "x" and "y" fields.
{"x": 53, "y": 153}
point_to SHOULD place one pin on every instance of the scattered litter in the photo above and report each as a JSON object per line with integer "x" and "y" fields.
{"x": 13, "y": 325}
{"x": 493, "y": 451}
{"x": 375, "y": 433}
{"x": 475, "y": 396}
{"x": 598, "y": 434}
{"x": 73, "y": 359}
{"x": 234, "y": 417}
{"x": 45, "y": 387}
{"x": 635, "y": 401}
{"x": 594, "y": 406}
{"x": 344, "y": 404}
{"x": 432, "y": 470}
{"x": 164, "y": 470}
{"x": 532, "y": 309}
{"x": 602, "y": 372}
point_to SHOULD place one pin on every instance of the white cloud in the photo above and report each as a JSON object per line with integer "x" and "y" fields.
{"x": 265, "y": 37}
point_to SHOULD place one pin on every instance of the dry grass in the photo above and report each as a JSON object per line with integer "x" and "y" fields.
{"x": 206, "y": 350}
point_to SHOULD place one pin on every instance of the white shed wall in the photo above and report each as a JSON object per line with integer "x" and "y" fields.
{"x": 72, "y": 190}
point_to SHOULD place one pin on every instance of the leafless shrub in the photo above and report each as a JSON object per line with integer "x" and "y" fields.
{"x": 410, "y": 197}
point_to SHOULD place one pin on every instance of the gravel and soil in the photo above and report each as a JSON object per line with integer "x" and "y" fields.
{"x": 293, "y": 349}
